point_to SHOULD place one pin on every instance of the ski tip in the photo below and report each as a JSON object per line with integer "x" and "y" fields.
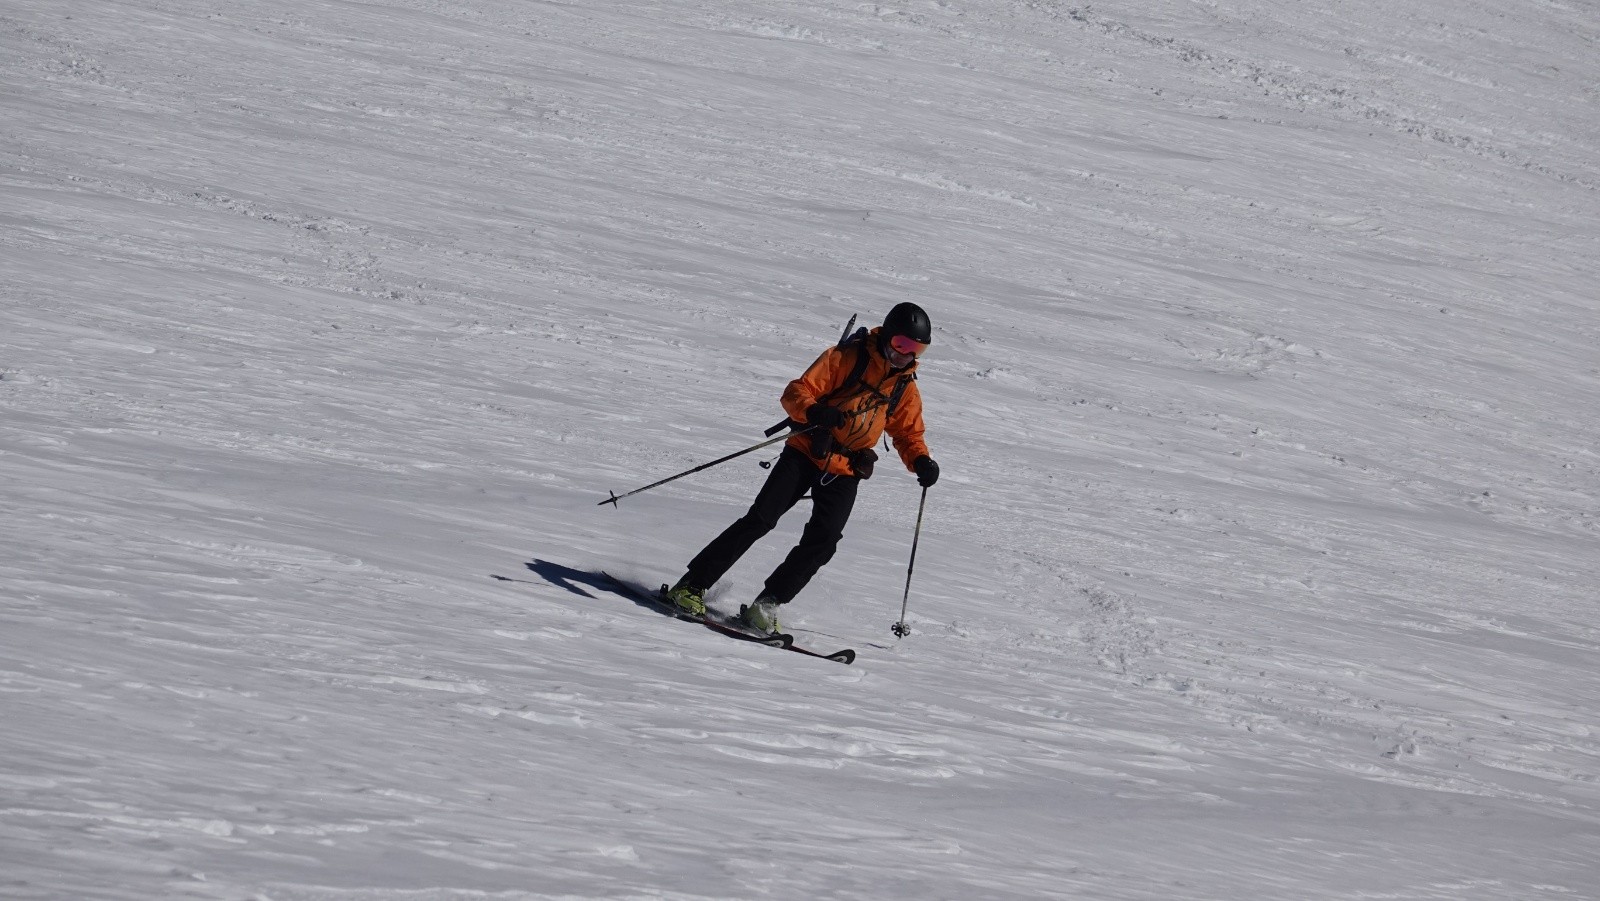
{"x": 846, "y": 657}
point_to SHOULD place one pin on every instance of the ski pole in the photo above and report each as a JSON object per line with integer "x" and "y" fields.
{"x": 901, "y": 630}
{"x": 612, "y": 500}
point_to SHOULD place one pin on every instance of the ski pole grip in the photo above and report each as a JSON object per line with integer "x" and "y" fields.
{"x": 786, "y": 424}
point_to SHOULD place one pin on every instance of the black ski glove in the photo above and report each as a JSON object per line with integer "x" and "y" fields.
{"x": 927, "y": 471}
{"x": 861, "y": 462}
{"x": 823, "y": 415}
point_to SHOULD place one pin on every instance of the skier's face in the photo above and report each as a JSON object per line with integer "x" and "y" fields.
{"x": 903, "y": 351}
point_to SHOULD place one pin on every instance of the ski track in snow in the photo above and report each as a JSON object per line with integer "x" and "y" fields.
{"x": 1263, "y": 384}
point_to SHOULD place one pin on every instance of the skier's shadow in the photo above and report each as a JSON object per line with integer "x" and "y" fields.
{"x": 573, "y": 580}
{"x": 578, "y": 581}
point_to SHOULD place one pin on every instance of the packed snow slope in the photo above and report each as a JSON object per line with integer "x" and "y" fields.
{"x": 1264, "y": 383}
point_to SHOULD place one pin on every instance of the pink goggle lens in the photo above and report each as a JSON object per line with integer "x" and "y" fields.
{"x": 907, "y": 346}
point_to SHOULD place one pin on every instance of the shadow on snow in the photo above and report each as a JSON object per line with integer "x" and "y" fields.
{"x": 579, "y": 581}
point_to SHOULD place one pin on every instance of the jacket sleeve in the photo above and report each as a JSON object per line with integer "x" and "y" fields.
{"x": 823, "y": 376}
{"x": 906, "y": 427}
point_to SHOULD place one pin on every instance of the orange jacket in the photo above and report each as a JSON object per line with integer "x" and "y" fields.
{"x": 865, "y": 406}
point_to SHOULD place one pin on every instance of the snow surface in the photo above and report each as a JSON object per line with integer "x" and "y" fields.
{"x": 1264, "y": 383}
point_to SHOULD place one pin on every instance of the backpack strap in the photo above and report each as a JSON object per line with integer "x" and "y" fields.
{"x": 858, "y": 369}
{"x": 900, "y": 390}
{"x": 855, "y": 380}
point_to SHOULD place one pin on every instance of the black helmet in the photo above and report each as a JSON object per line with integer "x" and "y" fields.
{"x": 910, "y": 320}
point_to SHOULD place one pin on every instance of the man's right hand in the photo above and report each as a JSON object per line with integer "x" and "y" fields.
{"x": 823, "y": 415}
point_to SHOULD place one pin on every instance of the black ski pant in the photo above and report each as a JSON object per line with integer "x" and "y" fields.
{"x": 831, "y": 501}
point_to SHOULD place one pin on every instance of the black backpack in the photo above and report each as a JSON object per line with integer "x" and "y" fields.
{"x": 856, "y": 342}
{"x": 858, "y": 370}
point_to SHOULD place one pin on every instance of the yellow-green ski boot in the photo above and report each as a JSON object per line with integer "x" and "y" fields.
{"x": 687, "y": 599}
{"x": 762, "y": 616}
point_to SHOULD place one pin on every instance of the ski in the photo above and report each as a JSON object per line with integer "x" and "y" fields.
{"x": 724, "y": 627}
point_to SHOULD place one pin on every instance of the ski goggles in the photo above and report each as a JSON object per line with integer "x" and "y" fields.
{"x": 907, "y": 346}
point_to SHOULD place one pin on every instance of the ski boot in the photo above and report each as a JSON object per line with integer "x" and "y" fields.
{"x": 762, "y": 616}
{"x": 687, "y": 599}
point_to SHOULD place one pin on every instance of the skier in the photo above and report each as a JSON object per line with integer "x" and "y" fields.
{"x": 848, "y": 397}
